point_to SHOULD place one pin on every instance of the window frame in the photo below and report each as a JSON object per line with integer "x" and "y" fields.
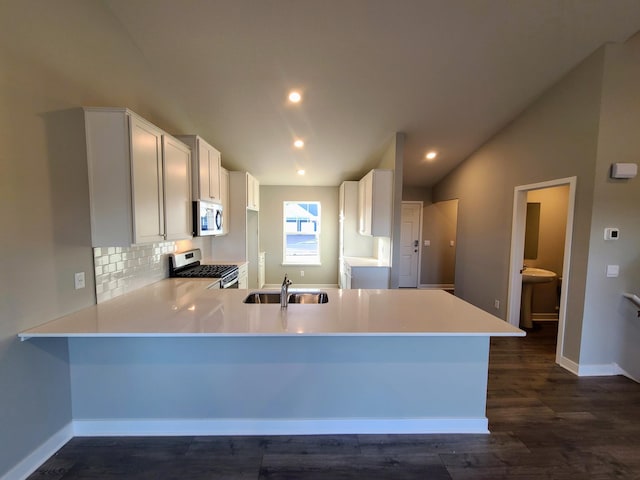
{"x": 303, "y": 259}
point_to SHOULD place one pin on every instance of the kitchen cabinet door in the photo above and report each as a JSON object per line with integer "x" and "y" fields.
{"x": 177, "y": 189}
{"x": 146, "y": 181}
{"x": 375, "y": 202}
{"x": 224, "y": 199}
{"x": 209, "y": 163}
{"x": 205, "y": 169}
{"x": 253, "y": 192}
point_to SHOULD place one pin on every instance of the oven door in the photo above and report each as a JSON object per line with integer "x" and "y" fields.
{"x": 207, "y": 218}
{"x": 231, "y": 284}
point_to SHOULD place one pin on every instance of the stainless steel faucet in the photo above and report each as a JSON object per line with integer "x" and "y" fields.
{"x": 284, "y": 292}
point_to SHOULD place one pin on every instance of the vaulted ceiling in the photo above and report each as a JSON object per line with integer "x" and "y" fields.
{"x": 447, "y": 73}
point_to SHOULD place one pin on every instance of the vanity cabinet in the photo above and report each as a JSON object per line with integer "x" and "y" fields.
{"x": 206, "y": 169}
{"x": 375, "y": 203}
{"x": 253, "y": 192}
{"x": 134, "y": 194}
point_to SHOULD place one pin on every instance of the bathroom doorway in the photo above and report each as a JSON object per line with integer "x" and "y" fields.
{"x": 534, "y": 194}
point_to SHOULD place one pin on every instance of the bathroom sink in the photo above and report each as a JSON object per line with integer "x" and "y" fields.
{"x": 537, "y": 275}
{"x": 294, "y": 297}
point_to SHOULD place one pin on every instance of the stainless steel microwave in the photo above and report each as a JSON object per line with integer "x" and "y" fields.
{"x": 207, "y": 218}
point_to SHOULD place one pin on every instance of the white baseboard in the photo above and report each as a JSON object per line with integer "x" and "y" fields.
{"x": 278, "y": 427}
{"x": 149, "y": 428}
{"x": 437, "y": 286}
{"x": 40, "y": 455}
{"x": 567, "y": 364}
{"x": 276, "y": 286}
{"x": 594, "y": 370}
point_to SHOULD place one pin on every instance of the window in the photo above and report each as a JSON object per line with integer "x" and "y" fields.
{"x": 301, "y": 233}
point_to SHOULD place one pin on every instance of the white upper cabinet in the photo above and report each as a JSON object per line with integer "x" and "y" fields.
{"x": 147, "y": 184}
{"x": 177, "y": 191}
{"x": 127, "y": 180}
{"x": 206, "y": 166}
{"x": 253, "y": 192}
{"x": 224, "y": 196}
{"x": 375, "y": 203}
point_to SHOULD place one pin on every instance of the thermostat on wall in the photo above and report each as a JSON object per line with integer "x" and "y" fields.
{"x": 611, "y": 233}
{"x": 624, "y": 170}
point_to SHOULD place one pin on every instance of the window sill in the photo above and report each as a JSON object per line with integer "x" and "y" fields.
{"x": 303, "y": 264}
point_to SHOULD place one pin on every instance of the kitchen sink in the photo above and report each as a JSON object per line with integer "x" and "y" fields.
{"x": 294, "y": 297}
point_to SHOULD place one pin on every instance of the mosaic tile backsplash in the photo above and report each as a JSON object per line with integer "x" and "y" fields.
{"x": 120, "y": 270}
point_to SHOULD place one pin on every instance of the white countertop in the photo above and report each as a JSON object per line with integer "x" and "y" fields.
{"x": 366, "y": 262}
{"x": 185, "y": 307}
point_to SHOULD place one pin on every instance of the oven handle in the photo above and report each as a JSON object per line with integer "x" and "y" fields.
{"x": 230, "y": 284}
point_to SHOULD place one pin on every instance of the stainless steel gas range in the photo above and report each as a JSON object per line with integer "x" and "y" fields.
{"x": 187, "y": 265}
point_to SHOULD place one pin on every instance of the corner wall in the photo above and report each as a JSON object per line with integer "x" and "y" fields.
{"x": 611, "y": 330}
{"x": 556, "y": 137}
{"x": 54, "y": 58}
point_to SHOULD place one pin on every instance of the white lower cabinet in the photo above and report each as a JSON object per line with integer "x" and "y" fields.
{"x": 243, "y": 276}
{"x": 134, "y": 194}
{"x": 363, "y": 273}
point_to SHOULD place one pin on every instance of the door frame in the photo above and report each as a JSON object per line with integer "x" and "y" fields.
{"x": 420, "y": 203}
{"x": 518, "y": 225}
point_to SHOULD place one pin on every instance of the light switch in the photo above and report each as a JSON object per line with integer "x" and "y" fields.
{"x": 451, "y": 243}
{"x": 427, "y": 243}
{"x": 613, "y": 270}
{"x": 611, "y": 233}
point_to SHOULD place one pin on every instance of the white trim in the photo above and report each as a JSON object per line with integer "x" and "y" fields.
{"x": 621, "y": 371}
{"x": 517, "y": 255}
{"x": 296, "y": 286}
{"x": 258, "y": 426}
{"x": 437, "y": 286}
{"x": 41, "y": 454}
{"x": 598, "y": 370}
{"x": 567, "y": 364}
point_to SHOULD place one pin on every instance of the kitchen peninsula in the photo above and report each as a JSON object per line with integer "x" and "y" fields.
{"x": 177, "y": 358}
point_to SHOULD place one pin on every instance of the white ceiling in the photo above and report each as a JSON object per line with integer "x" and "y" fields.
{"x": 447, "y": 73}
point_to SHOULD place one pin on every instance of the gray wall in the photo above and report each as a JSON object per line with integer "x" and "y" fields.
{"x": 611, "y": 328}
{"x": 579, "y": 127}
{"x": 556, "y": 137}
{"x": 54, "y": 57}
{"x": 271, "y": 236}
{"x": 439, "y": 258}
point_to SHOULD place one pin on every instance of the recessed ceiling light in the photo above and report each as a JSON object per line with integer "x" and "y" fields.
{"x": 301, "y": 172}
{"x": 298, "y": 143}
{"x": 431, "y": 155}
{"x": 294, "y": 96}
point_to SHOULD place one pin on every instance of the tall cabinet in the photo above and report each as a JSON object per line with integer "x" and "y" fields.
{"x": 139, "y": 180}
{"x": 242, "y": 241}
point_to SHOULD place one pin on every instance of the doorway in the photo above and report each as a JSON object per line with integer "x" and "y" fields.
{"x": 410, "y": 238}
{"x": 518, "y": 253}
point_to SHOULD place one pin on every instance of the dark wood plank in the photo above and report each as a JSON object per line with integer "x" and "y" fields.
{"x": 545, "y": 423}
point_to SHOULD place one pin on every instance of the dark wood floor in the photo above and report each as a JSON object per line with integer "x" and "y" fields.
{"x": 544, "y": 422}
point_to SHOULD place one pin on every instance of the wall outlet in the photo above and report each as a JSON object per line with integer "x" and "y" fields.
{"x": 496, "y": 304}
{"x": 78, "y": 279}
{"x": 302, "y": 273}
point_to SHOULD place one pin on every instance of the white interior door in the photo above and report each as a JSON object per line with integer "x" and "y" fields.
{"x": 410, "y": 243}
